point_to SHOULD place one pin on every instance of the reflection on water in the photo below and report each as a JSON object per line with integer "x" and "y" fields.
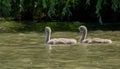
{"x": 80, "y": 57}
{"x": 28, "y": 51}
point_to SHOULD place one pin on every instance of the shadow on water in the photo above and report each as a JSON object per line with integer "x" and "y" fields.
{"x": 105, "y": 27}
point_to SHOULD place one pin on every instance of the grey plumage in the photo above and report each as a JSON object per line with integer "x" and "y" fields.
{"x": 83, "y": 39}
{"x": 48, "y": 39}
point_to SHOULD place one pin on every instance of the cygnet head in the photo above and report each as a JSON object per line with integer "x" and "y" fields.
{"x": 82, "y": 29}
{"x": 47, "y": 29}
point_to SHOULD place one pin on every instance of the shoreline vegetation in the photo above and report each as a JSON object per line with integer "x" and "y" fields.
{"x": 29, "y": 26}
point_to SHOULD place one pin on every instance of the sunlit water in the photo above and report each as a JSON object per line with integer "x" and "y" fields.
{"x": 28, "y": 51}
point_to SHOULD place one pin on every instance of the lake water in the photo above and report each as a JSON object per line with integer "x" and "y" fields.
{"x": 28, "y": 51}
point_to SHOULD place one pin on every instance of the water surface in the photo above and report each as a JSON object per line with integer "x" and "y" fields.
{"x": 28, "y": 51}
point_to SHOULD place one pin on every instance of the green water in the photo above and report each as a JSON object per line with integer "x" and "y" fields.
{"x": 28, "y": 51}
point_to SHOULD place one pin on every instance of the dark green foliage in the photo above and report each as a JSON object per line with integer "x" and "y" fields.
{"x": 60, "y": 10}
{"x": 5, "y": 8}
